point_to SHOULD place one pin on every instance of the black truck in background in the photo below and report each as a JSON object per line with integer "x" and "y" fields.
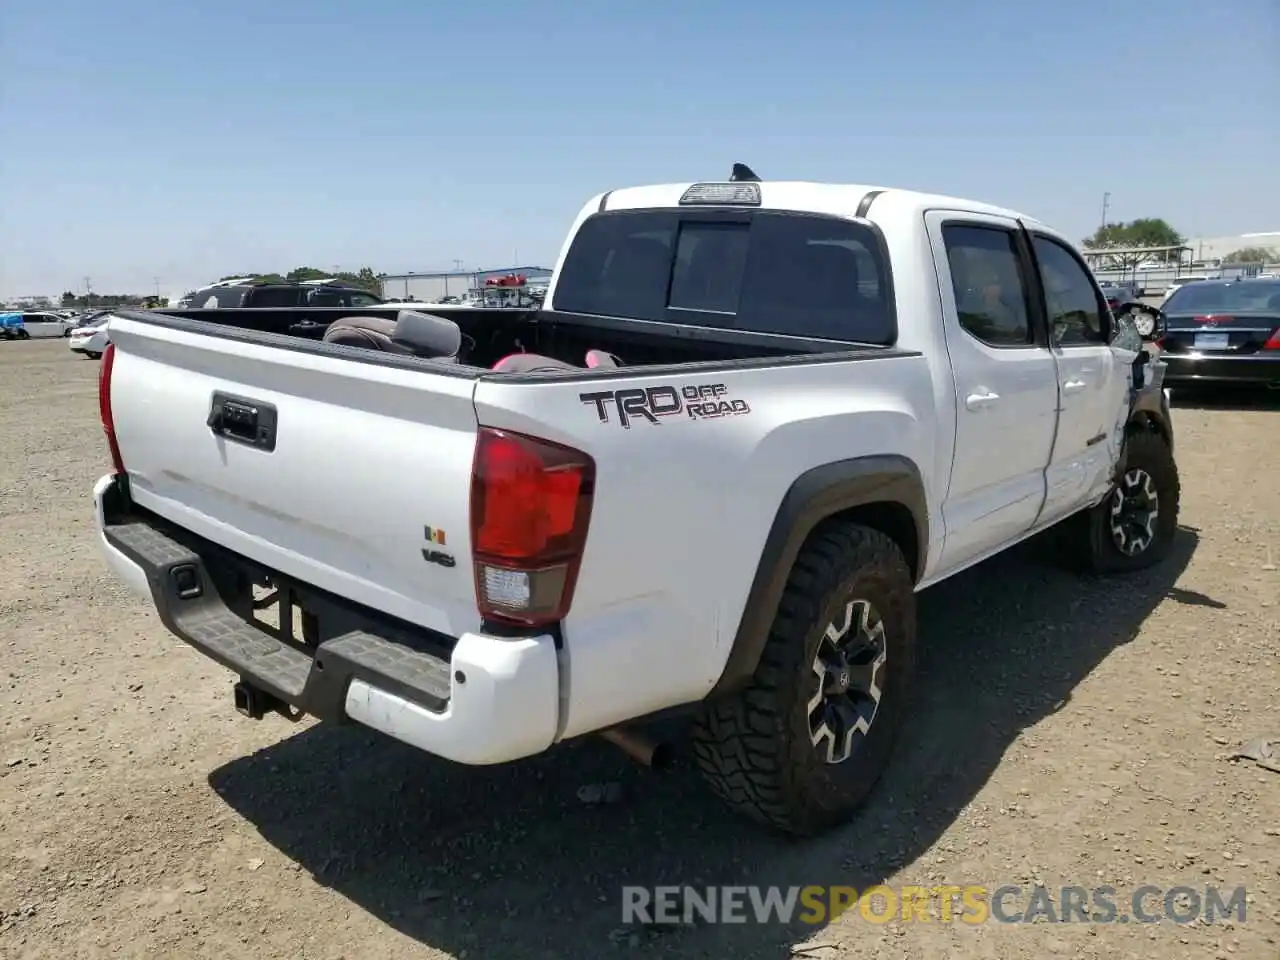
{"x": 257, "y": 294}
{"x": 275, "y": 307}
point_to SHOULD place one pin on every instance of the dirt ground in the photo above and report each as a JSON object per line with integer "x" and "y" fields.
{"x": 1070, "y": 732}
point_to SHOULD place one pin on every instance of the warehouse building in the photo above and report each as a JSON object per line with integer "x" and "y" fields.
{"x": 429, "y": 287}
{"x": 1215, "y": 248}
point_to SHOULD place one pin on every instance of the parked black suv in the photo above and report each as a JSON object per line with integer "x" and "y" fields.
{"x": 254, "y": 294}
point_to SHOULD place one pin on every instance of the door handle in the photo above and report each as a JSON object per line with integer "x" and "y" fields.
{"x": 1074, "y": 386}
{"x": 243, "y": 421}
{"x": 975, "y": 401}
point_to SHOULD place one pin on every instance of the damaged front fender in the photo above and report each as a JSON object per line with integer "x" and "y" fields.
{"x": 1149, "y": 409}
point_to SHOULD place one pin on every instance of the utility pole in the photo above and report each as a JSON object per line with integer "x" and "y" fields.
{"x": 88, "y": 291}
{"x": 156, "y": 282}
{"x": 1106, "y": 202}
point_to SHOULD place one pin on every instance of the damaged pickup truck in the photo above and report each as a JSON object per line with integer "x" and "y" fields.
{"x": 753, "y": 420}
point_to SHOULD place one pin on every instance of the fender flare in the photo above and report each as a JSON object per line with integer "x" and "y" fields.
{"x": 815, "y": 496}
{"x": 1149, "y": 405}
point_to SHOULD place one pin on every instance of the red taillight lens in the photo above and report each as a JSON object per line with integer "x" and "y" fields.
{"x": 104, "y": 406}
{"x": 1273, "y": 343}
{"x": 1213, "y": 318}
{"x": 530, "y": 508}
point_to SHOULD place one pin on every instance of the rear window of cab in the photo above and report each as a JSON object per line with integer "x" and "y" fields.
{"x": 766, "y": 272}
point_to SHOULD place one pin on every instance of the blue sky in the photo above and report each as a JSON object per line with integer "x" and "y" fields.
{"x": 146, "y": 139}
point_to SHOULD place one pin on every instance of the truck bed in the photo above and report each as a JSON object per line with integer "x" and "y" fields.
{"x": 498, "y": 332}
{"x": 356, "y": 479}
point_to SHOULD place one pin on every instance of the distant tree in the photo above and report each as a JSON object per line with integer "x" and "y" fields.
{"x": 300, "y": 274}
{"x": 1253, "y": 255}
{"x": 1143, "y": 232}
{"x": 71, "y": 301}
{"x": 364, "y": 278}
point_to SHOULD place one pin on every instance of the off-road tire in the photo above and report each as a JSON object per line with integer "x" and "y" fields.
{"x": 754, "y": 747}
{"x": 1095, "y": 548}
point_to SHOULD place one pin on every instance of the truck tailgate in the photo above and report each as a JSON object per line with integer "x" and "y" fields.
{"x": 338, "y": 492}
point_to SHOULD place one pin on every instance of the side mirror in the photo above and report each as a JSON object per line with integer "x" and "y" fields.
{"x": 1151, "y": 322}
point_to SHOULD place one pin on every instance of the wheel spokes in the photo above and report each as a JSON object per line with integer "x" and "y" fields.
{"x": 848, "y": 680}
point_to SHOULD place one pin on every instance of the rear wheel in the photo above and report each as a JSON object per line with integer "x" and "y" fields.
{"x": 24, "y": 335}
{"x": 92, "y": 355}
{"x": 801, "y": 747}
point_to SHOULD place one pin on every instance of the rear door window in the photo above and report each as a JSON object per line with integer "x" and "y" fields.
{"x": 762, "y": 272}
{"x": 275, "y": 297}
{"x": 320, "y": 297}
{"x": 215, "y": 298}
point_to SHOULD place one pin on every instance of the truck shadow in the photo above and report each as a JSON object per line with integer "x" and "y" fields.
{"x": 508, "y": 862}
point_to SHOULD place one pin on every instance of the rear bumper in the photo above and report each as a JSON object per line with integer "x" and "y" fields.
{"x": 1260, "y": 369}
{"x": 477, "y": 700}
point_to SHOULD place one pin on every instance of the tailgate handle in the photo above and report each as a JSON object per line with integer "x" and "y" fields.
{"x": 243, "y": 421}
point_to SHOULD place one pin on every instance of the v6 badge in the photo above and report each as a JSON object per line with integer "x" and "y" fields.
{"x": 435, "y": 538}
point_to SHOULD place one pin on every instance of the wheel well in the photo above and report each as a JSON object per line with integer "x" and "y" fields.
{"x": 1144, "y": 422}
{"x": 892, "y": 519}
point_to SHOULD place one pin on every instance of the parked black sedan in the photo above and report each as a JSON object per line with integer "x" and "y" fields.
{"x": 1223, "y": 332}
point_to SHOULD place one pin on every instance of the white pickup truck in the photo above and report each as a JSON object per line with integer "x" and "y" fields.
{"x": 752, "y": 421}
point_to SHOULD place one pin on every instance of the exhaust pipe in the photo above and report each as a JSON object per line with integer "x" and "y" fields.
{"x": 642, "y": 749}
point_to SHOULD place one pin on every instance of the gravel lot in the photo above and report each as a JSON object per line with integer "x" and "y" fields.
{"x": 1070, "y": 732}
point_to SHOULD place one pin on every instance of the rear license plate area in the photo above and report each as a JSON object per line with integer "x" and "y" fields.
{"x": 276, "y": 609}
{"x": 1212, "y": 341}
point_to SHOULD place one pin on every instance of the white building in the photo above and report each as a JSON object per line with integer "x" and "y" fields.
{"x": 1215, "y": 248}
{"x": 429, "y": 287}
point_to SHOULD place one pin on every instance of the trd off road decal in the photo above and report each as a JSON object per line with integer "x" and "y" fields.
{"x": 707, "y": 401}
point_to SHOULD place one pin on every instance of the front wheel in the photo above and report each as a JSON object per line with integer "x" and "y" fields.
{"x": 24, "y": 335}
{"x": 1134, "y": 527}
{"x": 92, "y": 355}
{"x": 801, "y": 747}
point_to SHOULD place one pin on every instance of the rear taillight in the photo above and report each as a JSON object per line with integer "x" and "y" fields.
{"x": 104, "y": 406}
{"x": 530, "y": 507}
{"x": 1213, "y": 318}
{"x": 1274, "y": 342}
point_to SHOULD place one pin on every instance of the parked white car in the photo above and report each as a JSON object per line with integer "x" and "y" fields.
{"x": 45, "y": 324}
{"x": 90, "y": 336}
